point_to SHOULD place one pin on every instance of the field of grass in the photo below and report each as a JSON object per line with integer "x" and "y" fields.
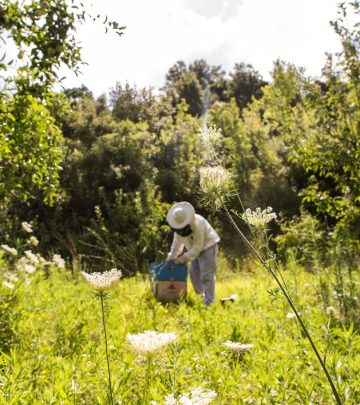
{"x": 55, "y": 350}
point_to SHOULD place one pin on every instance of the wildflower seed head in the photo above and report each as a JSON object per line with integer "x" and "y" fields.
{"x": 210, "y": 136}
{"x": 10, "y": 250}
{"x": 150, "y": 342}
{"x": 26, "y": 227}
{"x": 215, "y": 184}
{"x": 259, "y": 218}
{"x": 102, "y": 282}
{"x": 237, "y": 346}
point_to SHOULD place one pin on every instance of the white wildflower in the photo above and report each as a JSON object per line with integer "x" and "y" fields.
{"x": 26, "y": 227}
{"x": 58, "y": 261}
{"x": 24, "y": 265}
{"x": 198, "y": 396}
{"x": 11, "y": 277}
{"x": 259, "y": 218}
{"x": 10, "y": 250}
{"x": 33, "y": 240}
{"x": 237, "y": 346}
{"x": 150, "y": 341}
{"x": 29, "y": 268}
{"x": 31, "y": 257}
{"x": 273, "y": 393}
{"x": 291, "y": 315}
{"x": 171, "y": 400}
{"x": 215, "y": 183}
{"x": 8, "y": 285}
{"x": 102, "y": 281}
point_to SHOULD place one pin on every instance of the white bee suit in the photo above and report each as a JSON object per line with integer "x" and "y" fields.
{"x": 201, "y": 250}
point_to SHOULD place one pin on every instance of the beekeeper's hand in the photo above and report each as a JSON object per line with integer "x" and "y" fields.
{"x": 180, "y": 260}
{"x": 169, "y": 259}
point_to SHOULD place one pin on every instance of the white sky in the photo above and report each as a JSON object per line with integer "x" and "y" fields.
{"x": 223, "y": 32}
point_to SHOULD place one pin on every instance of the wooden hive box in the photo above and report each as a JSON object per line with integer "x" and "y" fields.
{"x": 168, "y": 281}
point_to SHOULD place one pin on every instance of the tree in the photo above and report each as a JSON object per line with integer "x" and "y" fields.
{"x": 178, "y": 158}
{"x": 244, "y": 84}
{"x": 199, "y": 84}
{"x": 87, "y": 120}
{"x": 130, "y": 103}
{"x": 43, "y": 33}
{"x": 175, "y": 73}
{"x": 30, "y": 149}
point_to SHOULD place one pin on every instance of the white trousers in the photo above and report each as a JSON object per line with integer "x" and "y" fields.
{"x": 202, "y": 274}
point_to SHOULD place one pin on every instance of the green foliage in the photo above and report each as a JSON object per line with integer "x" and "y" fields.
{"x": 43, "y": 35}
{"x": 86, "y": 119}
{"x": 188, "y": 88}
{"x": 30, "y": 148}
{"x": 244, "y": 84}
{"x": 304, "y": 236}
{"x": 178, "y": 159}
{"x": 132, "y": 104}
{"x": 7, "y": 319}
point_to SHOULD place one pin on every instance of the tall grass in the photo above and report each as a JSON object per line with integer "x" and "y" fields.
{"x": 59, "y": 354}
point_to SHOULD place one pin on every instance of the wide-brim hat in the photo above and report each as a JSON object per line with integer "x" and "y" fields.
{"x": 180, "y": 215}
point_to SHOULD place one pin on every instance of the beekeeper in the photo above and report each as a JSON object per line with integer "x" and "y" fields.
{"x": 194, "y": 233}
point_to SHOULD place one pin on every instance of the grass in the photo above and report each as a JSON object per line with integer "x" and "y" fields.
{"x": 59, "y": 357}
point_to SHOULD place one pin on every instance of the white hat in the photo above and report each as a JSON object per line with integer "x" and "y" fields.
{"x": 180, "y": 215}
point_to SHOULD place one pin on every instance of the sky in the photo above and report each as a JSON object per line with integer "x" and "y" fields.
{"x": 223, "y": 32}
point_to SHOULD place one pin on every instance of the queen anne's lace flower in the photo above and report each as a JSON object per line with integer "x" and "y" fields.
{"x": 215, "y": 183}
{"x": 26, "y": 227}
{"x": 150, "y": 342}
{"x": 259, "y": 218}
{"x": 10, "y": 250}
{"x": 102, "y": 281}
{"x": 237, "y": 346}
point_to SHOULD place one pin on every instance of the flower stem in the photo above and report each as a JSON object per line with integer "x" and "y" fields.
{"x": 106, "y": 346}
{"x": 147, "y": 379}
{"x": 288, "y": 298}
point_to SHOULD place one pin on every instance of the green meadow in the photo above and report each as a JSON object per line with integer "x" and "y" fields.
{"x": 57, "y": 351}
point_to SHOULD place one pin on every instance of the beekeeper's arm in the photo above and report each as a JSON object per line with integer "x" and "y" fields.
{"x": 177, "y": 247}
{"x": 197, "y": 246}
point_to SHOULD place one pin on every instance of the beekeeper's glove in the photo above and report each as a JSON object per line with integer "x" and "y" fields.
{"x": 180, "y": 260}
